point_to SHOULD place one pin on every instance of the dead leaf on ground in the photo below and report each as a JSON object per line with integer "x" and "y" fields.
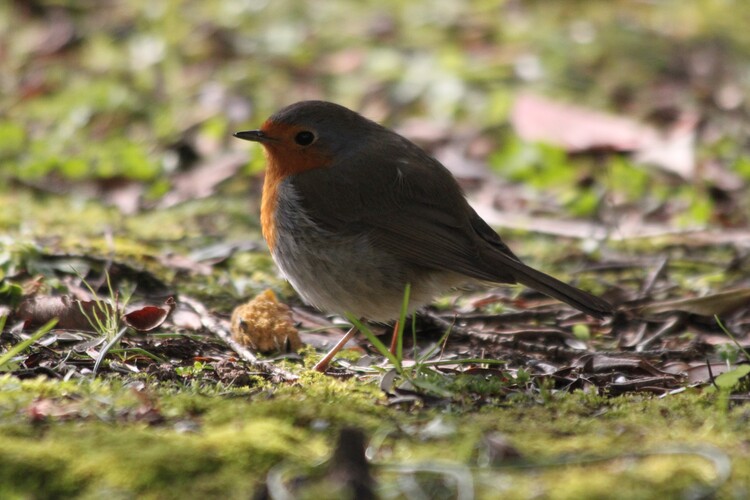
{"x": 575, "y": 128}
{"x": 187, "y": 319}
{"x": 149, "y": 317}
{"x": 579, "y": 129}
{"x": 598, "y": 363}
{"x": 702, "y": 372}
{"x": 44, "y": 408}
{"x": 185, "y": 264}
{"x": 71, "y": 314}
{"x": 201, "y": 181}
{"x": 716, "y": 304}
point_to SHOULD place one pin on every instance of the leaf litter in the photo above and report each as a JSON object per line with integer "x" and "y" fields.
{"x": 650, "y": 345}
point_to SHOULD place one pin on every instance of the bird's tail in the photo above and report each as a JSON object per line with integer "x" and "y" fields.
{"x": 546, "y": 284}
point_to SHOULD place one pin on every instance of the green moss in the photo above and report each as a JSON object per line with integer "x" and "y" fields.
{"x": 30, "y": 469}
{"x": 98, "y": 444}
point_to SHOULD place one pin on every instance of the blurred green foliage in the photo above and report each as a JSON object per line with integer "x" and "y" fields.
{"x": 103, "y": 89}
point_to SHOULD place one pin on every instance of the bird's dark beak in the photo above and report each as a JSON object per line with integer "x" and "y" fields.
{"x": 253, "y": 135}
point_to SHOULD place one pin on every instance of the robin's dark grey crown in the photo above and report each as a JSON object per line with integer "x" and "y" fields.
{"x": 317, "y": 113}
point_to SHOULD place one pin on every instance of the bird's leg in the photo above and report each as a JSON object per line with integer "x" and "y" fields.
{"x": 394, "y": 338}
{"x": 322, "y": 365}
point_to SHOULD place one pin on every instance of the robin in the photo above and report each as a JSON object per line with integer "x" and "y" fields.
{"x": 352, "y": 212}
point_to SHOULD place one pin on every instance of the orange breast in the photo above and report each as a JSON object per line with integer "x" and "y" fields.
{"x": 268, "y": 203}
{"x": 283, "y": 159}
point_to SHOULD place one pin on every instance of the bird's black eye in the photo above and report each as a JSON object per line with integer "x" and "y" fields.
{"x": 304, "y": 138}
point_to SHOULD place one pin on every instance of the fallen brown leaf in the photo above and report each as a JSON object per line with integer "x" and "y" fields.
{"x": 149, "y": 317}
{"x": 578, "y": 129}
{"x": 575, "y": 128}
{"x": 71, "y": 314}
{"x": 719, "y": 303}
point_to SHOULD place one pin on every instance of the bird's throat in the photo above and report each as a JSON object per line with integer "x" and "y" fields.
{"x": 280, "y": 164}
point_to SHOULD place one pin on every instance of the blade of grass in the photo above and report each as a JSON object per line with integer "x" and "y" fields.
{"x": 434, "y": 348}
{"x": 401, "y": 322}
{"x": 109, "y": 307}
{"x": 95, "y": 323}
{"x": 424, "y": 384}
{"x": 106, "y": 349}
{"x": 381, "y": 348}
{"x": 22, "y": 346}
{"x": 729, "y": 334}
{"x": 142, "y": 352}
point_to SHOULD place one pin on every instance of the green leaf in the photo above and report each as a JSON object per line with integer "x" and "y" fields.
{"x": 729, "y": 380}
{"x": 582, "y": 332}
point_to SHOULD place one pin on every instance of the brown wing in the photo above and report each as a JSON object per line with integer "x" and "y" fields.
{"x": 422, "y": 217}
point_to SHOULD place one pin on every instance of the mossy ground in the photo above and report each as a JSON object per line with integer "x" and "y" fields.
{"x": 218, "y": 441}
